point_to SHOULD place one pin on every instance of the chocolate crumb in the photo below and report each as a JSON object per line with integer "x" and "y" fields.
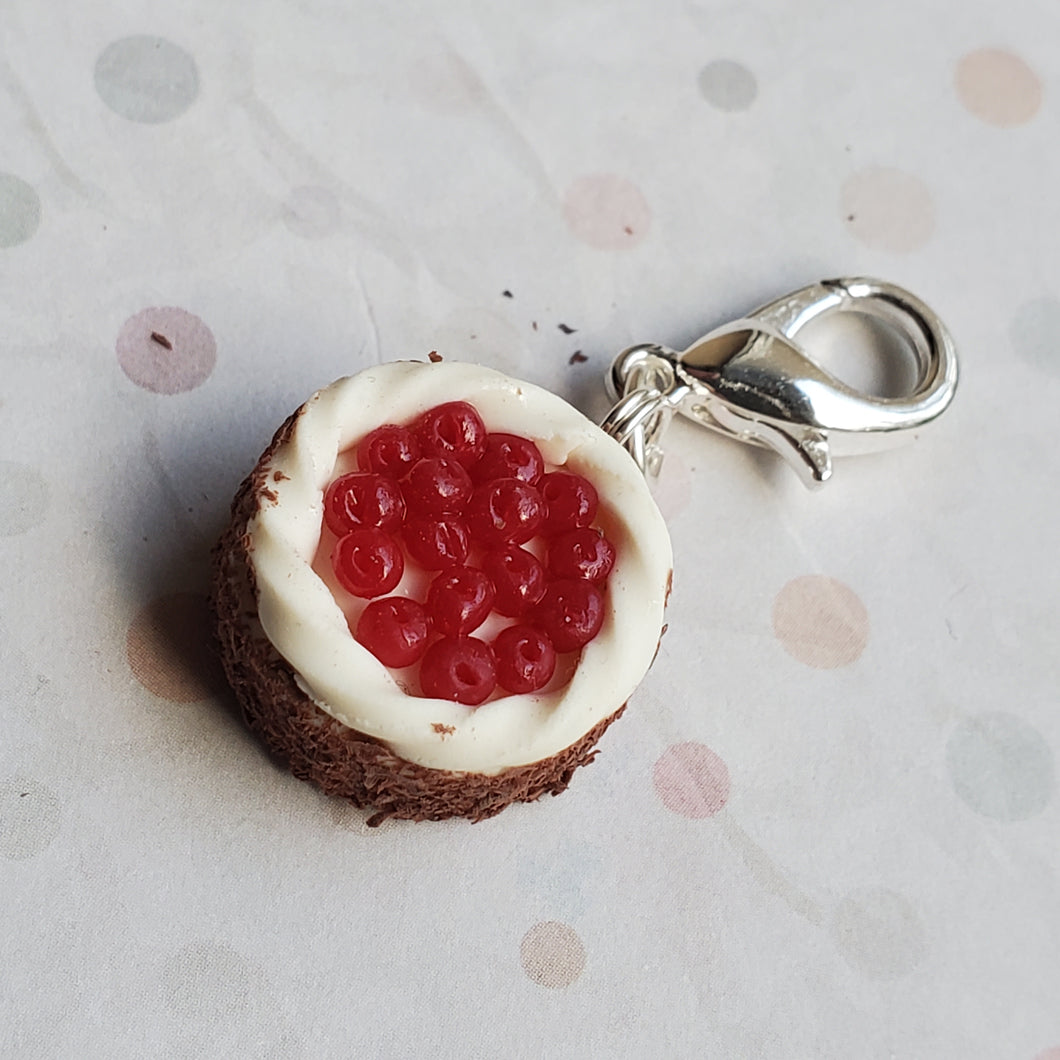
{"x": 279, "y": 476}
{"x": 443, "y": 730}
{"x": 566, "y": 330}
{"x": 534, "y": 324}
{"x": 269, "y": 495}
{"x": 507, "y": 293}
{"x": 434, "y": 356}
{"x": 628, "y": 230}
{"x": 850, "y": 217}
{"x": 577, "y": 357}
{"x": 161, "y": 340}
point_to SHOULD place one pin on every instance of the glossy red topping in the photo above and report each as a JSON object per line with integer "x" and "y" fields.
{"x": 437, "y": 543}
{"x": 526, "y": 659}
{"x": 571, "y": 612}
{"x": 454, "y": 431}
{"x": 442, "y": 491}
{"x": 517, "y": 576}
{"x": 388, "y": 450}
{"x": 571, "y": 501}
{"x": 363, "y": 499}
{"x": 368, "y": 562}
{"x": 509, "y": 456}
{"x": 437, "y": 487}
{"x": 394, "y": 630}
{"x": 459, "y": 600}
{"x": 581, "y": 553}
{"x": 459, "y": 668}
{"x": 505, "y": 511}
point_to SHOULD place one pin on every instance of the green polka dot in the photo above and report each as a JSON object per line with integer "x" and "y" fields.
{"x": 1035, "y": 334}
{"x": 23, "y": 498}
{"x": 728, "y": 85}
{"x": 146, "y": 79}
{"x": 19, "y": 210}
{"x": 1001, "y": 767}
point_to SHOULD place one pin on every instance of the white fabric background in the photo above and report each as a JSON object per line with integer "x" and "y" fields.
{"x": 827, "y": 825}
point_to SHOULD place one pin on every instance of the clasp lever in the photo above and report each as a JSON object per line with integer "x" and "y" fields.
{"x": 750, "y": 379}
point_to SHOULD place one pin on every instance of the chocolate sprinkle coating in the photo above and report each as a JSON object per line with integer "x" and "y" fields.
{"x": 317, "y": 747}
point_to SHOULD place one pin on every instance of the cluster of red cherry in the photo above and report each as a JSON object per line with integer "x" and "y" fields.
{"x": 448, "y": 490}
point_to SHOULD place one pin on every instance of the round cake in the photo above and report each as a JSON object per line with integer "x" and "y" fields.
{"x": 438, "y": 588}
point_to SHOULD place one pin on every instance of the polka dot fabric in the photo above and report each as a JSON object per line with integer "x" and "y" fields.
{"x": 826, "y": 824}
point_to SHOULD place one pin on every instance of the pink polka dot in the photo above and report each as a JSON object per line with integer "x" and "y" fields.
{"x": 691, "y": 780}
{"x": 166, "y": 350}
{"x": 820, "y": 621}
{"x": 1049, "y": 1054}
{"x": 998, "y": 87}
{"x": 607, "y": 212}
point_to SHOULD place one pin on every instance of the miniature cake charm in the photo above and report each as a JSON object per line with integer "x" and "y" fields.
{"x": 441, "y": 585}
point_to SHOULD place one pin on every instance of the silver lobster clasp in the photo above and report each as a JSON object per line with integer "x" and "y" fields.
{"x": 750, "y": 379}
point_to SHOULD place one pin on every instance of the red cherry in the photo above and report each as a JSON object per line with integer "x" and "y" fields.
{"x": 571, "y": 612}
{"x": 454, "y": 431}
{"x": 526, "y": 659}
{"x": 581, "y": 553}
{"x": 363, "y": 499}
{"x": 437, "y": 487}
{"x": 509, "y": 456}
{"x": 394, "y": 630}
{"x": 459, "y": 600}
{"x": 571, "y": 500}
{"x": 388, "y": 450}
{"x": 437, "y": 543}
{"x": 368, "y": 562}
{"x": 460, "y": 669}
{"x": 505, "y": 510}
{"x": 518, "y": 577}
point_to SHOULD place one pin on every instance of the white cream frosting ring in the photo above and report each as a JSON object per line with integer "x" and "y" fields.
{"x": 307, "y": 626}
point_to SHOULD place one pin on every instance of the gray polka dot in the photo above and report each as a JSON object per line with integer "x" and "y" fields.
{"x": 1035, "y": 334}
{"x": 209, "y": 981}
{"x": 23, "y": 498}
{"x": 19, "y": 210}
{"x": 146, "y": 79}
{"x": 879, "y": 933}
{"x": 728, "y": 85}
{"x": 1001, "y": 767}
{"x": 311, "y": 212}
{"x": 29, "y": 817}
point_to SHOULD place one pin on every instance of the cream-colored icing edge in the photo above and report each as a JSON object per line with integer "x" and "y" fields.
{"x": 307, "y": 627}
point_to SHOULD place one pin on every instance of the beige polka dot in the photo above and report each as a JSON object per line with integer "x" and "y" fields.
{"x": 209, "y": 981}
{"x": 879, "y": 933}
{"x": 170, "y": 651}
{"x": 552, "y": 954}
{"x": 29, "y": 817}
{"x": 674, "y": 487}
{"x": 607, "y": 212}
{"x": 445, "y": 82}
{"x": 998, "y": 87}
{"x": 888, "y": 209}
{"x": 820, "y": 621}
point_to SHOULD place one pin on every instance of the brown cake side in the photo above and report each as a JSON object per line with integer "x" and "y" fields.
{"x": 317, "y": 747}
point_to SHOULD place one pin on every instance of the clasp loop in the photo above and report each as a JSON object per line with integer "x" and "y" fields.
{"x": 750, "y": 379}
